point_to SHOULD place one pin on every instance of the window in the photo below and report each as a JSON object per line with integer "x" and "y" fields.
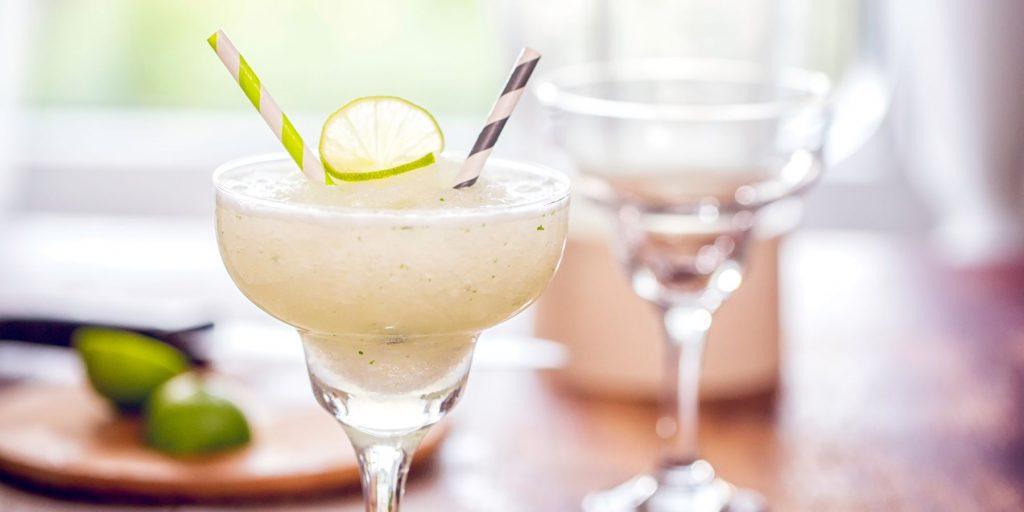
{"x": 312, "y": 54}
{"x": 124, "y": 109}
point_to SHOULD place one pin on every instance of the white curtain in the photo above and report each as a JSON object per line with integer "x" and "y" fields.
{"x": 15, "y": 18}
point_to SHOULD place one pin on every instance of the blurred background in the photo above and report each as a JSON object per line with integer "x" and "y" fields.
{"x": 903, "y": 286}
{"x": 113, "y": 90}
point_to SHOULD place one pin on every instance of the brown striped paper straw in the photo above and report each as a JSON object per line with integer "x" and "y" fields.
{"x": 500, "y": 113}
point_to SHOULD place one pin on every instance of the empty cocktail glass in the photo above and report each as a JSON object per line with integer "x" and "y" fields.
{"x": 685, "y": 154}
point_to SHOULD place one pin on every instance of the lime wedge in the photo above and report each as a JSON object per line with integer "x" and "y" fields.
{"x": 126, "y": 367}
{"x": 378, "y": 136}
{"x": 187, "y": 416}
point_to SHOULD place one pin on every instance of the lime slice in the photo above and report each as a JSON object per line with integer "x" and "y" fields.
{"x": 378, "y": 136}
{"x": 187, "y": 416}
{"x": 126, "y": 367}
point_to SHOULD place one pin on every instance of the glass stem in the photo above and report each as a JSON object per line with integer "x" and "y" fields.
{"x": 686, "y": 330}
{"x": 383, "y": 467}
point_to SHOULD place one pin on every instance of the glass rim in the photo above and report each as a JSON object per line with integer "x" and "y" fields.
{"x": 553, "y": 90}
{"x": 558, "y": 195}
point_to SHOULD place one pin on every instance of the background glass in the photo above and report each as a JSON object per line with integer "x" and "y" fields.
{"x": 684, "y": 154}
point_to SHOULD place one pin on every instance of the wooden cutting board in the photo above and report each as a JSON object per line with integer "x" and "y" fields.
{"x": 66, "y": 438}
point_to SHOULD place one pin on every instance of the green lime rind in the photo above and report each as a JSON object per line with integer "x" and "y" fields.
{"x": 184, "y": 416}
{"x": 423, "y": 161}
{"x": 334, "y": 172}
{"x": 125, "y": 367}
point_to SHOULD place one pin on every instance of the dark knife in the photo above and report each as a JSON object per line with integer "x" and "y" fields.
{"x": 190, "y": 339}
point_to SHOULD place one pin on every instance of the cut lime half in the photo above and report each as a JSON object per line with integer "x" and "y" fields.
{"x": 188, "y": 416}
{"x": 377, "y": 137}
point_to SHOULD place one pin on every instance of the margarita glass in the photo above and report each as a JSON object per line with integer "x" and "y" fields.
{"x": 685, "y": 155}
{"x": 389, "y": 284}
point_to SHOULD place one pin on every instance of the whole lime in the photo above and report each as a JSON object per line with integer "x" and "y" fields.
{"x": 125, "y": 367}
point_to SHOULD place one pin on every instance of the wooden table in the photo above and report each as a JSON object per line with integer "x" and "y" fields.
{"x": 903, "y": 389}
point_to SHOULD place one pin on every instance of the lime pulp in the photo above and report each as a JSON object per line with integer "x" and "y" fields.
{"x": 188, "y": 416}
{"x": 376, "y": 137}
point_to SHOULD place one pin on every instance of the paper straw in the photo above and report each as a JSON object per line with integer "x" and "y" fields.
{"x": 500, "y": 112}
{"x": 267, "y": 107}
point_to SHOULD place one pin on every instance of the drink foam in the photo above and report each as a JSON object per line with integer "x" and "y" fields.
{"x": 428, "y": 188}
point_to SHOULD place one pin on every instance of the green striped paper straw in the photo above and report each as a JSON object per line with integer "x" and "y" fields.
{"x": 267, "y": 107}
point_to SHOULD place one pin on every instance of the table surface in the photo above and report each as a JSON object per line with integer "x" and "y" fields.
{"x": 902, "y": 389}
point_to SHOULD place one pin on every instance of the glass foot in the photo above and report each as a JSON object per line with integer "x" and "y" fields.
{"x": 690, "y": 488}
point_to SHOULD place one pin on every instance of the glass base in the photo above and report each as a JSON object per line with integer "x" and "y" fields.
{"x": 690, "y": 488}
